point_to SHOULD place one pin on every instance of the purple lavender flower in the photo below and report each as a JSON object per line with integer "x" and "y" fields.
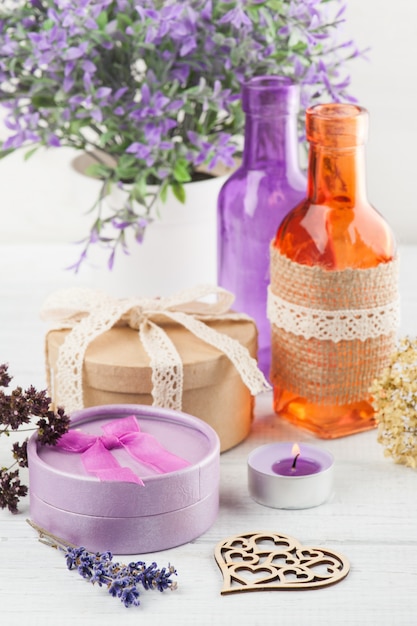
{"x": 54, "y": 140}
{"x": 71, "y": 556}
{"x": 122, "y": 581}
{"x": 141, "y": 151}
{"x": 237, "y": 17}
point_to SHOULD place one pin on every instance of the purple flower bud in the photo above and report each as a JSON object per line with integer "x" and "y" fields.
{"x": 54, "y": 141}
{"x": 88, "y": 83}
{"x": 97, "y": 115}
{"x": 146, "y": 94}
{"x": 119, "y": 93}
{"x": 76, "y": 52}
{"x": 68, "y": 84}
{"x": 91, "y": 24}
{"x": 88, "y": 66}
{"x": 103, "y": 92}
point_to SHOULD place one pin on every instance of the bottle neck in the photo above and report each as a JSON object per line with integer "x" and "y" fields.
{"x": 336, "y": 176}
{"x": 271, "y": 141}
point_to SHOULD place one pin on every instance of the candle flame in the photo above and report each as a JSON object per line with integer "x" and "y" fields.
{"x": 295, "y": 449}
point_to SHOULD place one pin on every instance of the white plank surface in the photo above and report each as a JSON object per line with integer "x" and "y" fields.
{"x": 371, "y": 517}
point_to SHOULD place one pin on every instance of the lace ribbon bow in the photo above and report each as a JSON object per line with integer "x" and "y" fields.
{"x": 89, "y": 313}
{"x": 121, "y": 433}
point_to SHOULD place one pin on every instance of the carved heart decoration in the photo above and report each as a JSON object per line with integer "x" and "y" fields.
{"x": 262, "y": 561}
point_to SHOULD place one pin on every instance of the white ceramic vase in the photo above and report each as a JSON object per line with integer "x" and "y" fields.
{"x": 178, "y": 251}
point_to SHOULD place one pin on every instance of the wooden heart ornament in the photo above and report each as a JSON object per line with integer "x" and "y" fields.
{"x": 262, "y": 561}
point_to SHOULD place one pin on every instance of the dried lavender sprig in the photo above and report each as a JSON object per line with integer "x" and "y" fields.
{"x": 11, "y": 490}
{"x": 122, "y": 581}
{"x": 16, "y": 409}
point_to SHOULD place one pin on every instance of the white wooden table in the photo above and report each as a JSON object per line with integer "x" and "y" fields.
{"x": 371, "y": 518}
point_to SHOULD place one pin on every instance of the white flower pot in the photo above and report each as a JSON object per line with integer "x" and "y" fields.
{"x": 179, "y": 249}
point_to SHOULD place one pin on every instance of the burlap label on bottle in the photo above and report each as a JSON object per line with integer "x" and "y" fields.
{"x": 332, "y": 330}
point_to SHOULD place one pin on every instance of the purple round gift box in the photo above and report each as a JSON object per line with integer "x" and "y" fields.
{"x": 123, "y": 517}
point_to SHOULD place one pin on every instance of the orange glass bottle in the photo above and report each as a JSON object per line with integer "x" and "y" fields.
{"x": 332, "y": 245}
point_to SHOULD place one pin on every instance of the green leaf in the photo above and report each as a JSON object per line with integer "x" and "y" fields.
{"x": 127, "y": 160}
{"x": 138, "y": 192}
{"x": 75, "y": 126}
{"x": 4, "y": 153}
{"x": 102, "y": 20}
{"x": 123, "y": 21}
{"x": 29, "y": 153}
{"x": 294, "y": 38}
{"x": 105, "y": 137}
{"x": 179, "y": 192}
{"x": 98, "y": 170}
{"x": 126, "y": 173}
{"x": 163, "y": 190}
{"x": 211, "y": 118}
{"x": 48, "y": 24}
{"x": 180, "y": 172}
{"x": 280, "y": 56}
{"x": 253, "y": 12}
{"x": 275, "y": 5}
{"x": 43, "y": 100}
{"x": 300, "y": 47}
{"x": 40, "y": 84}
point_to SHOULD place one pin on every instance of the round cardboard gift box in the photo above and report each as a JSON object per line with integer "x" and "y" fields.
{"x": 125, "y": 517}
{"x": 117, "y": 370}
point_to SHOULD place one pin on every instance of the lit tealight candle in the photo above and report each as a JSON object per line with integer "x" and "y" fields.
{"x": 296, "y": 466}
{"x": 287, "y": 476}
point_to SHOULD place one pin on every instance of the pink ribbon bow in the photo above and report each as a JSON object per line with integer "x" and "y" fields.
{"x": 120, "y": 433}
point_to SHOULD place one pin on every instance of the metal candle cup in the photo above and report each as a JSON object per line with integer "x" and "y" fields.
{"x": 274, "y": 482}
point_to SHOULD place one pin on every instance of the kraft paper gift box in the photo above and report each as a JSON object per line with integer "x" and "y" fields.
{"x": 106, "y": 487}
{"x": 177, "y": 352}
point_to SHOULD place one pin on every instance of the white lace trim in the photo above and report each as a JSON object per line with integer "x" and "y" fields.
{"x": 90, "y": 313}
{"x": 339, "y": 325}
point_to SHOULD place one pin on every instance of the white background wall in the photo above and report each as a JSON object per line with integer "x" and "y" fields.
{"x": 40, "y": 198}
{"x": 387, "y": 87}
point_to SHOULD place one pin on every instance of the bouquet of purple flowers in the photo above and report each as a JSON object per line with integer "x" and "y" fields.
{"x": 151, "y": 88}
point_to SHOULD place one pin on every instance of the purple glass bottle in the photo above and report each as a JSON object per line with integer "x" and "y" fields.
{"x": 255, "y": 199}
